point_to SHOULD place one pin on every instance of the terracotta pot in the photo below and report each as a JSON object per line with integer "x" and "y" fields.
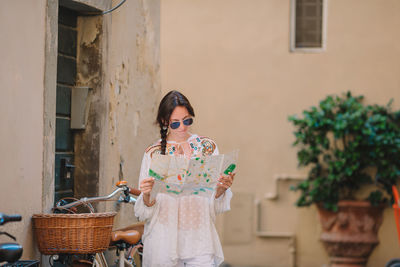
{"x": 350, "y": 235}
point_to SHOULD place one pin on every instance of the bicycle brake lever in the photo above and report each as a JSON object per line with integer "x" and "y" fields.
{"x": 7, "y": 234}
{"x": 123, "y": 199}
{"x": 126, "y": 199}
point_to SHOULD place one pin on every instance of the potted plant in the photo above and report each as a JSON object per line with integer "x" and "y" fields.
{"x": 349, "y": 147}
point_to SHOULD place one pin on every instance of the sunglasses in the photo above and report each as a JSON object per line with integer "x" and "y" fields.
{"x": 175, "y": 125}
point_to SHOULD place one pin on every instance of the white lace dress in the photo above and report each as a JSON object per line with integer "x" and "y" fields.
{"x": 184, "y": 227}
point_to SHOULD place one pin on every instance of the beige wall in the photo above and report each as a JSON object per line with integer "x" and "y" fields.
{"x": 21, "y": 113}
{"x": 232, "y": 59}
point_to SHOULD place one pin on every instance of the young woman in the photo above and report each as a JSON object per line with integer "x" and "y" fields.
{"x": 180, "y": 231}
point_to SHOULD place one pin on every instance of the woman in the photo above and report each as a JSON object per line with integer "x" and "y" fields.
{"x": 180, "y": 231}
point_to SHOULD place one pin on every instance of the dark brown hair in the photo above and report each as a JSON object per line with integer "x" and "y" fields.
{"x": 167, "y": 105}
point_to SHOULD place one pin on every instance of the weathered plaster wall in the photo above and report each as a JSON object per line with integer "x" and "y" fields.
{"x": 49, "y": 106}
{"x": 132, "y": 87}
{"x": 118, "y": 57}
{"x": 22, "y": 49}
{"x": 90, "y": 60}
{"x": 232, "y": 59}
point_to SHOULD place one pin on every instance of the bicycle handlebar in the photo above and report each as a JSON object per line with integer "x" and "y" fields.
{"x": 90, "y": 199}
{"x": 4, "y": 218}
{"x": 122, "y": 187}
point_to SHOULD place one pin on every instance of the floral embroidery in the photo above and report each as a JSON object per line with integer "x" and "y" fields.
{"x": 199, "y": 146}
{"x": 208, "y": 147}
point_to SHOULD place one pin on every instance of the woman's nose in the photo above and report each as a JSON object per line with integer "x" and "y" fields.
{"x": 182, "y": 126}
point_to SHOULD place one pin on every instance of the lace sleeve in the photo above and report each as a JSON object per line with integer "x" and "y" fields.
{"x": 223, "y": 203}
{"x": 142, "y": 211}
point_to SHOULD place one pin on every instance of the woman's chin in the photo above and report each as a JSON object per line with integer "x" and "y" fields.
{"x": 182, "y": 134}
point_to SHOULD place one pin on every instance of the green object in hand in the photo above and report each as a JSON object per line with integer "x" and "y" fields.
{"x": 230, "y": 169}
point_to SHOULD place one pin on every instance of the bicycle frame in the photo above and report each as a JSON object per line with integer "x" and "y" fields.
{"x": 123, "y": 261}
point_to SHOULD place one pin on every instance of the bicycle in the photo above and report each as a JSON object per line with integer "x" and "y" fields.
{"x": 12, "y": 252}
{"x": 95, "y": 244}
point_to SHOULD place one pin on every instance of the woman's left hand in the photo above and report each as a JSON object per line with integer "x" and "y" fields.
{"x": 224, "y": 182}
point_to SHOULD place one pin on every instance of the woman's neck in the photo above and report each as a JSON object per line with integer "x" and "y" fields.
{"x": 178, "y": 139}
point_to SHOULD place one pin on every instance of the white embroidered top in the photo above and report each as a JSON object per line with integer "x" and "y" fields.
{"x": 183, "y": 227}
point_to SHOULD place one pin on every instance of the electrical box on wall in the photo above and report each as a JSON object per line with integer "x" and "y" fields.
{"x": 79, "y": 107}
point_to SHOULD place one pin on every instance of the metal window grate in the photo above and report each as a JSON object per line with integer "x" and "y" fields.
{"x": 309, "y": 17}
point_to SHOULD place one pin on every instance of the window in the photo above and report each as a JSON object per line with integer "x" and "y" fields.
{"x": 308, "y": 25}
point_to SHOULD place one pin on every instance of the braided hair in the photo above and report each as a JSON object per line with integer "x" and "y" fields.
{"x": 167, "y": 105}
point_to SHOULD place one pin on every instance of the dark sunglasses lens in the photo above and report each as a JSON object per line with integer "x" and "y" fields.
{"x": 175, "y": 125}
{"x": 188, "y": 122}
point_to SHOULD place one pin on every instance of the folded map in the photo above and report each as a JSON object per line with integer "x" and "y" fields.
{"x": 178, "y": 175}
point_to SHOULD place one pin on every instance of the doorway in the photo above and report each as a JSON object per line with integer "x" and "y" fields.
{"x": 66, "y": 79}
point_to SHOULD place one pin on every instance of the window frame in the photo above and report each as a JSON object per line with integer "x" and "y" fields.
{"x": 293, "y": 47}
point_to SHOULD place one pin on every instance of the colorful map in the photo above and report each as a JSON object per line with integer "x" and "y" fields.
{"x": 177, "y": 175}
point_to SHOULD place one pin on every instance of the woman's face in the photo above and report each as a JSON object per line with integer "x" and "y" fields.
{"x": 179, "y": 115}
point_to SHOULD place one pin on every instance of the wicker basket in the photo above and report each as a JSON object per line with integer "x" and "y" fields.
{"x": 73, "y": 233}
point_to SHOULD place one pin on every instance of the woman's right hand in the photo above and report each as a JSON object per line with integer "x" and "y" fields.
{"x": 146, "y": 185}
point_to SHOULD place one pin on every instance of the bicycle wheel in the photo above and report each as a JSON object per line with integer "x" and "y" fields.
{"x": 393, "y": 263}
{"x": 32, "y": 263}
